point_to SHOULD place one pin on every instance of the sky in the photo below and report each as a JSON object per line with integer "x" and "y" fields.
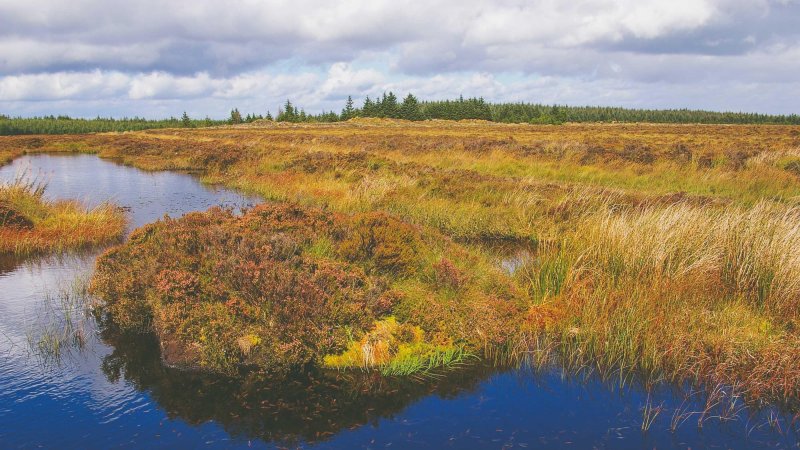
{"x": 159, "y": 58}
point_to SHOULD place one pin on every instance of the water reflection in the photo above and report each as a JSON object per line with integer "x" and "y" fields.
{"x": 8, "y": 263}
{"x": 305, "y": 407}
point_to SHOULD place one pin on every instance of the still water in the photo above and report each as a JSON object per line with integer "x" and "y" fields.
{"x": 116, "y": 393}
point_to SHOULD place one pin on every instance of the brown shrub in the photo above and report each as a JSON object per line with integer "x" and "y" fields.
{"x": 448, "y": 275}
{"x": 638, "y": 153}
{"x": 222, "y": 292}
{"x": 177, "y": 285}
{"x": 387, "y": 244}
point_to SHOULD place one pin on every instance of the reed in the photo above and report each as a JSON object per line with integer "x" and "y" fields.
{"x": 64, "y": 323}
{"x": 31, "y": 224}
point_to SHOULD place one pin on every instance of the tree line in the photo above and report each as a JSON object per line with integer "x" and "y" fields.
{"x": 69, "y": 125}
{"x": 410, "y": 108}
{"x": 391, "y": 106}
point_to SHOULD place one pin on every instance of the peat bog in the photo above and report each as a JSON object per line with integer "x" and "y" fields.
{"x": 657, "y": 263}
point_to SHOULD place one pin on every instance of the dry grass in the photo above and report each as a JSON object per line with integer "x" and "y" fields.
{"x": 30, "y": 224}
{"x": 677, "y": 293}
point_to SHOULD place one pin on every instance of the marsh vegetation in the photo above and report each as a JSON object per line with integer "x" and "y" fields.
{"x": 656, "y": 253}
{"x": 30, "y": 224}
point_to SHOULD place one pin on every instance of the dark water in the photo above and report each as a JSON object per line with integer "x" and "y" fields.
{"x": 116, "y": 393}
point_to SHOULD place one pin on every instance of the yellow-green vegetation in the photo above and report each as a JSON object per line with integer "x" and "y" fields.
{"x": 676, "y": 292}
{"x": 30, "y": 224}
{"x": 285, "y": 286}
{"x": 396, "y": 349}
{"x": 668, "y": 251}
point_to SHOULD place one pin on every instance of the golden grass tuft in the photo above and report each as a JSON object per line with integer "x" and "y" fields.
{"x": 52, "y": 226}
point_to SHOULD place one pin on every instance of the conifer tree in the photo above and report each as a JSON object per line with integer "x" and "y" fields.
{"x": 348, "y": 112}
{"x": 390, "y": 107}
{"x": 409, "y": 110}
{"x": 369, "y": 109}
{"x": 287, "y": 114}
{"x": 236, "y": 116}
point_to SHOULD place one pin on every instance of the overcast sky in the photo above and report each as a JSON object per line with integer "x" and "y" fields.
{"x": 159, "y": 58}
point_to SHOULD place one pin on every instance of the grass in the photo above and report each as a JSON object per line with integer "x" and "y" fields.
{"x": 396, "y": 349}
{"x": 680, "y": 293}
{"x": 31, "y": 224}
{"x": 666, "y": 252}
{"x": 63, "y": 324}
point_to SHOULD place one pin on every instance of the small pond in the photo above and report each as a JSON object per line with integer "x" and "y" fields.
{"x": 116, "y": 393}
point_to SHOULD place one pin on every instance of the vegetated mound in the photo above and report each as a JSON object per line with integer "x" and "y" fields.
{"x": 31, "y": 224}
{"x": 11, "y": 218}
{"x": 283, "y": 286}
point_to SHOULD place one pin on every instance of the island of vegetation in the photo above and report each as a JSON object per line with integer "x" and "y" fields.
{"x": 33, "y": 225}
{"x": 284, "y": 286}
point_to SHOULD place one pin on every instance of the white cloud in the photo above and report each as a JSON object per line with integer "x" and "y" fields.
{"x": 240, "y": 35}
{"x": 141, "y": 54}
{"x": 59, "y": 86}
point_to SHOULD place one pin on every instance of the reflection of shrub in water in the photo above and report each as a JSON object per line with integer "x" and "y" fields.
{"x": 311, "y": 405}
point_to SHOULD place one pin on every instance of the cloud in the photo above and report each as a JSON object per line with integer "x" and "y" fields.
{"x": 142, "y": 54}
{"x": 228, "y": 37}
{"x": 61, "y": 86}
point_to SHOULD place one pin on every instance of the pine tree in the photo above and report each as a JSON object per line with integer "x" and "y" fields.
{"x": 289, "y": 111}
{"x": 287, "y": 114}
{"x": 389, "y": 107}
{"x": 349, "y": 111}
{"x": 409, "y": 110}
{"x": 369, "y": 109}
{"x": 187, "y": 122}
{"x": 236, "y": 116}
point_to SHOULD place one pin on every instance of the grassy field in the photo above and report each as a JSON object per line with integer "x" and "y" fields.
{"x": 670, "y": 252}
{"x": 30, "y": 224}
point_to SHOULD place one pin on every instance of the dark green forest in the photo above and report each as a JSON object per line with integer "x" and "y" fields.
{"x": 409, "y": 108}
{"x": 69, "y": 125}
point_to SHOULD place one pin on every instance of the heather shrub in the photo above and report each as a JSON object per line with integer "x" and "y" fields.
{"x": 283, "y": 286}
{"x": 383, "y": 243}
{"x": 448, "y": 276}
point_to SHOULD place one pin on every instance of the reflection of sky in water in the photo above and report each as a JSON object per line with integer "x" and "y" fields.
{"x": 77, "y": 406}
{"x": 149, "y": 195}
{"x": 75, "y": 398}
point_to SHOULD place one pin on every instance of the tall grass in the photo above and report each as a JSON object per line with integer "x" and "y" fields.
{"x": 679, "y": 293}
{"x": 31, "y": 224}
{"x": 63, "y": 325}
